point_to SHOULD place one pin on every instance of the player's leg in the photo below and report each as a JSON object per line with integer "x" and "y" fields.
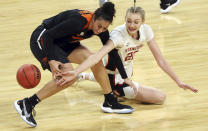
{"x": 150, "y": 95}
{"x": 167, "y": 5}
{"x": 50, "y": 88}
{"x": 24, "y": 107}
{"x": 61, "y": 54}
{"x": 78, "y": 56}
{"x": 82, "y": 53}
{"x": 145, "y": 94}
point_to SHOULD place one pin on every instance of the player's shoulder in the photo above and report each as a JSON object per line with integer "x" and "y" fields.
{"x": 145, "y": 27}
{"x": 146, "y": 32}
{"x": 119, "y": 30}
{"x": 82, "y": 16}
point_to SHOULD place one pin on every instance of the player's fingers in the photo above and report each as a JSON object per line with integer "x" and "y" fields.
{"x": 60, "y": 81}
{"x": 191, "y": 88}
{"x": 60, "y": 66}
{"x": 134, "y": 88}
{"x": 66, "y": 73}
{"x": 57, "y": 76}
{"x": 54, "y": 76}
{"x": 58, "y": 70}
{"x": 64, "y": 83}
{"x": 194, "y": 90}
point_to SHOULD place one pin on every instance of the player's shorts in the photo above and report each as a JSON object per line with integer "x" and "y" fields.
{"x": 60, "y": 52}
{"x": 118, "y": 85}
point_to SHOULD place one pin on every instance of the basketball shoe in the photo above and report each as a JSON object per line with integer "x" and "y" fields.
{"x": 111, "y": 105}
{"x": 167, "y": 5}
{"x": 25, "y": 111}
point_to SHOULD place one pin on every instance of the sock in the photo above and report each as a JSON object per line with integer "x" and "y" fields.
{"x": 91, "y": 77}
{"x": 34, "y": 100}
{"x": 110, "y": 97}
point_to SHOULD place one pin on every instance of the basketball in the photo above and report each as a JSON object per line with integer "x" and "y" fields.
{"x": 28, "y": 76}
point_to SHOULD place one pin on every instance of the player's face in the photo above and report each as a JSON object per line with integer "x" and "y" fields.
{"x": 100, "y": 25}
{"x": 133, "y": 22}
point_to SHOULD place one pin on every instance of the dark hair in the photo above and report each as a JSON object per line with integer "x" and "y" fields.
{"x": 106, "y": 12}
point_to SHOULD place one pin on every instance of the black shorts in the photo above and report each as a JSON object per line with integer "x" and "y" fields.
{"x": 60, "y": 53}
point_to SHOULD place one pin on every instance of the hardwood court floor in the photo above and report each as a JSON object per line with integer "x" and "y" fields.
{"x": 182, "y": 36}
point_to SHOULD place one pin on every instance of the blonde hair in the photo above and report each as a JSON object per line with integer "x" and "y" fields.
{"x": 137, "y": 9}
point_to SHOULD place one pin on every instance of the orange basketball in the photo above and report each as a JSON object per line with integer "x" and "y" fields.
{"x": 28, "y": 76}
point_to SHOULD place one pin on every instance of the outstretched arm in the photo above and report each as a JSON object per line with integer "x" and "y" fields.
{"x": 113, "y": 54}
{"x": 116, "y": 62}
{"x": 89, "y": 62}
{"x": 165, "y": 66}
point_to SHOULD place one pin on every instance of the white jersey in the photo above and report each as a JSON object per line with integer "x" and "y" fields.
{"x": 128, "y": 46}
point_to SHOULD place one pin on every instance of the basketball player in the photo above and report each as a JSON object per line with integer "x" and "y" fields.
{"x": 128, "y": 39}
{"x": 165, "y": 5}
{"x": 56, "y": 44}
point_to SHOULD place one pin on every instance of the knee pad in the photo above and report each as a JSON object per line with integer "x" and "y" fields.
{"x": 129, "y": 91}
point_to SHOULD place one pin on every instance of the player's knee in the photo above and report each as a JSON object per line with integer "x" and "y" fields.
{"x": 129, "y": 92}
{"x": 161, "y": 98}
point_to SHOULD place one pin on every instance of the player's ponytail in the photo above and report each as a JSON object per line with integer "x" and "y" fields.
{"x": 106, "y": 12}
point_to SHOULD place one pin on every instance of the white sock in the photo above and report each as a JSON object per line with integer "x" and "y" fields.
{"x": 82, "y": 76}
{"x": 91, "y": 77}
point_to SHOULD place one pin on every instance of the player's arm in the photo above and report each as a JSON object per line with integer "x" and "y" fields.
{"x": 95, "y": 58}
{"x": 165, "y": 66}
{"x": 67, "y": 27}
{"x": 113, "y": 54}
{"x": 89, "y": 62}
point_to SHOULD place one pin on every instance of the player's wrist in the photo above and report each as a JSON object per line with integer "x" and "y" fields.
{"x": 127, "y": 79}
{"x": 51, "y": 62}
{"x": 179, "y": 83}
{"x": 76, "y": 72}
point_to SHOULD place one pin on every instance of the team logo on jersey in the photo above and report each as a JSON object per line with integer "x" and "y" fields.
{"x": 82, "y": 33}
{"x": 134, "y": 49}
